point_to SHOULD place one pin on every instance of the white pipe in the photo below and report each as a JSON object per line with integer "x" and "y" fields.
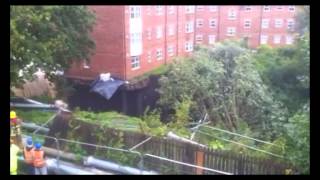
{"x": 176, "y": 137}
{"x": 41, "y": 106}
{"x": 33, "y": 126}
{"x": 91, "y": 161}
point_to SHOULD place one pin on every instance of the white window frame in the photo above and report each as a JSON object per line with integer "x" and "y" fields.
{"x": 189, "y": 46}
{"x": 246, "y": 8}
{"x": 135, "y": 62}
{"x": 291, "y": 8}
{"x": 189, "y": 9}
{"x": 232, "y": 14}
{"x": 247, "y": 21}
{"x": 189, "y": 27}
{"x": 200, "y": 8}
{"x": 213, "y": 8}
{"x": 278, "y": 23}
{"x": 199, "y": 23}
{"x": 266, "y": 8}
{"x": 171, "y": 30}
{"x": 159, "y": 32}
{"x": 199, "y": 38}
{"x": 231, "y": 31}
{"x": 135, "y": 12}
{"x": 171, "y": 10}
{"x": 264, "y": 39}
{"x": 159, "y": 54}
{"x": 170, "y": 51}
{"x": 211, "y": 23}
{"x": 211, "y": 39}
{"x": 159, "y": 10}
{"x": 265, "y": 23}
{"x": 149, "y": 33}
{"x": 289, "y": 39}
{"x": 276, "y": 39}
{"x": 135, "y": 38}
{"x": 149, "y": 57}
{"x": 290, "y": 24}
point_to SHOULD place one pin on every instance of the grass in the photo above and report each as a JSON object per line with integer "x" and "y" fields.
{"x": 158, "y": 71}
{"x": 35, "y": 116}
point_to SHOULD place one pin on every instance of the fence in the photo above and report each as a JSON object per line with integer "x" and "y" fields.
{"x": 176, "y": 155}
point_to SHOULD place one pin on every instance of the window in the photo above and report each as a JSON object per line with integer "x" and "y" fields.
{"x": 291, "y": 8}
{"x": 231, "y": 31}
{"x": 263, "y": 39}
{"x": 189, "y": 9}
{"x": 247, "y": 8}
{"x": 135, "y": 62}
{"x": 149, "y": 33}
{"x": 149, "y": 57}
{"x": 247, "y": 23}
{"x": 135, "y": 38}
{"x": 159, "y": 54}
{"x": 171, "y": 30}
{"x": 170, "y": 51}
{"x": 199, "y": 38}
{"x": 290, "y": 24}
{"x": 278, "y": 23}
{"x": 265, "y": 23}
{"x": 189, "y": 46}
{"x": 171, "y": 10}
{"x": 212, "y": 8}
{"x": 276, "y": 39}
{"x": 279, "y": 8}
{"x": 232, "y": 14}
{"x": 266, "y": 8}
{"x": 189, "y": 27}
{"x": 159, "y": 32}
{"x": 289, "y": 39}
{"x": 200, "y": 8}
{"x": 199, "y": 23}
{"x": 212, "y": 23}
{"x": 135, "y": 12}
{"x": 158, "y": 10}
{"x": 212, "y": 39}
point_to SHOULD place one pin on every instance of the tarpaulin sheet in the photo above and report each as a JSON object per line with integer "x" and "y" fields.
{"x": 106, "y": 88}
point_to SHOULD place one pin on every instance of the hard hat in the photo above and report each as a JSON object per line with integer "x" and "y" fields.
{"x": 38, "y": 146}
{"x": 29, "y": 142}
{"x": 13, "y": 115}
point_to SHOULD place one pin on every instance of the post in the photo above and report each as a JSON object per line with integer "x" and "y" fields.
{"x": 199, "y": 161}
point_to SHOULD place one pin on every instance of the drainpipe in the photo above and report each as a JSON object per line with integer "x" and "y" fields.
{"x": 91, "y": 161}
{"x": 178, "y": 138}
{"x": 165, "y": 34}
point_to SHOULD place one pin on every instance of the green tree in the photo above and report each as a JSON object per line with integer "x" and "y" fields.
{"x": 48, "y": 37}
{"x": 303, "y": 20}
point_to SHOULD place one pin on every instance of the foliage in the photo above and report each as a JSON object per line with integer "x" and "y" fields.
{"x": 303, "y": 20}
{"x": 37, "y": 117}
{"x": 298, "y": 139}
{"x": 48, "y": 37}
{"x": 224, "y": 83}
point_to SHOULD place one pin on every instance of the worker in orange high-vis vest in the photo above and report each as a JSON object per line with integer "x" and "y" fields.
{"x": 28, "y": 152}
{"x": 39, "y": 161}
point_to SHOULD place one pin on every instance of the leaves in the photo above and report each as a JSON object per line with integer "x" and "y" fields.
{"x": 48, "y": 37}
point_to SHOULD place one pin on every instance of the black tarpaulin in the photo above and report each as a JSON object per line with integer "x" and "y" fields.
{"x": 106, "y": 88}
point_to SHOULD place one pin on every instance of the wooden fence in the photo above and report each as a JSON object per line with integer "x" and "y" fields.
{"x": 184, "y": 152}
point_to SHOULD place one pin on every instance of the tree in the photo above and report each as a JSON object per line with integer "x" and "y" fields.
{"x": 224, "y": 83}
{"x": 303, "y": 20}
{"x": 48, "y": 37}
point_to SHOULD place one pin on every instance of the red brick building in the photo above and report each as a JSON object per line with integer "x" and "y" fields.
{"x": 132, "y": 40}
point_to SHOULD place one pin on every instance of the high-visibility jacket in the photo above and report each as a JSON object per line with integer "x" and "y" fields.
{"x": 38, "y": 158}
{"x": 14, "y": 149}
{"x": 28, "y": 155}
